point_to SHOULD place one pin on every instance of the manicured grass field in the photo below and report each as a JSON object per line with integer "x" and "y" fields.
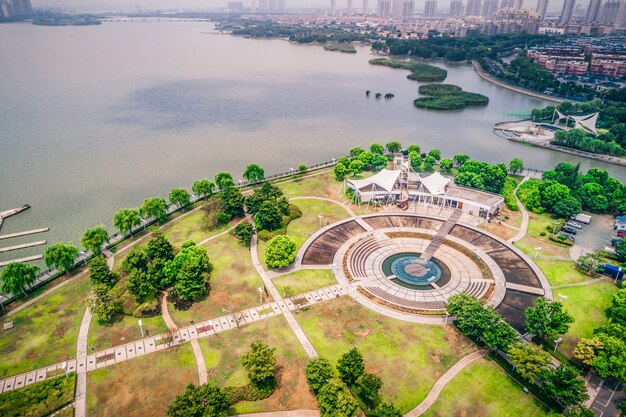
{"x": 408, "y": 357}
{"x": 234, "y": 282}
{"x": 483, "y": 389}
{"x": 586, "y": 304}
{"x": 46, "y": 332}
{"x": 323, "y": 185}
{"x": 142, "y": 386}
{"x": 304, "y": 280}
{"x": 538, "y": 223}
{"x": 122, "y": 330}
{"x": 560, "y": 272}
{"x": 222, "y": 353}
{"x": 302, "y": 228}
{"x": 192, "y": 226}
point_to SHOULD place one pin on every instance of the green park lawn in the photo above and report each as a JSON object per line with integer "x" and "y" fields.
{"x": 143, "y": 386}
{"x": 560, "y": 272}
{"x": 538, "y": 223}
{"x": 408, "y": 357}
{"x": 191, "y": 226}
{"x": 45, "y": 332}
{"x": 303, "y": 281}
{"x": 483, "y": 389}
{"x": 222, "y": 353}
{"x": 586, "y": 304}
{"x": 300, "y": 229}
{"x": 234, "y": 282}
{"x": 123, "y": 329}
{"x": 322, "y": 185}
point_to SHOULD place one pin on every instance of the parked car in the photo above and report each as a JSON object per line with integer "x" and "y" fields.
{"x": 569, "y": 230}
{"x": 568, "y": 237}
{"x": 574, "y": 224}
{"x": 614, "y": 241}
{"x": 621, "y": 233}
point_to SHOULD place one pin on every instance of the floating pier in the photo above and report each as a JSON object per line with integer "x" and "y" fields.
{"x": 28, "y": 232}
{"x": 22, "y": 246}
{"x": 8, "y": 213}
{"x": 26, "y": 259}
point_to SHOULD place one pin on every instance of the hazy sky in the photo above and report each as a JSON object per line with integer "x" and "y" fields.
{"x": 124, "y": 5}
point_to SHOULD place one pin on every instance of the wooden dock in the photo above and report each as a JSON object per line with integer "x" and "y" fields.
{"x": 28, "y": 232}
{"x": 26, "y": 259}
{"x": 8, "y": 213}
{"x": 22, "y": 246}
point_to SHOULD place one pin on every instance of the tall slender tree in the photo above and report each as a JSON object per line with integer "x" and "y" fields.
{"x": 254, "y": 173}
{"x": 15, "y": 277}
{"x": 94, "y": 238}
{"x": 180, "y": 197}
{"x": 224, "y": 180}
{"x": 154, "y": 208}
{"x": 203, "y": 188}
{"x": 125, "y": 219}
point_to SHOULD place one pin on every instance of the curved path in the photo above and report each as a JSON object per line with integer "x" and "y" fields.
{"x": 524, "y": 226}
{"x": 442, "y": 382}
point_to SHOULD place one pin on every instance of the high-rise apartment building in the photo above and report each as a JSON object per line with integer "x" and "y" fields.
{"x": 473, "y": 8}
{"x": 517, "y": 4}
{"x": 489, "y": 7}
{"x": 567, "y": 11}
{"x": 396, "y": 8}
{"x": 384, "y": 8}
{"x": 349, "y": 9}
{"x": 333, "y": 6}
{"x": 430, "y": 8}
{"x": 614, "y": 13}
{"x": 408, "y": 7}
{"x": 506, "y": 4}
{"x": 262, "y": 5}
{"x": 15, "y": 8}
{"x": 542, "y": 8}
{"x": 593, "y": 11}
{"x": 456, "y": 8}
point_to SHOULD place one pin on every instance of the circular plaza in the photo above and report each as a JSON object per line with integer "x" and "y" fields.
{"x": 412, "y": 264}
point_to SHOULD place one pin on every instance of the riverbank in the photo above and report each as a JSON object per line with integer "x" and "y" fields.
{"x": 491, "y": 79}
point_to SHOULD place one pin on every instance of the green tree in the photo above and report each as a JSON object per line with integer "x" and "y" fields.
{"x": 204, "y": 401}
{"x": 365, "y": 157}
{"x": 620, "y": 248}
{"x": 350, "y": 366}
{"x": 244, "y": 231}
{"x": 180, "y": 197}
{"x": 415, "y": 160}
{"x": 232, "y": 201}
{"x": 280, "y": 252}
{"x": 460, "y": 159}
{"x": 189, "y": 271}
{"x": 369, "y": 385}
{"x": 592, "y": 197}
{"x": 356, "y": 151}
{"x": 551, "y": 192}
{"x": 136, "y": 259}
{"x": 586, "y": 350}
{"x": 547, "y": 318}
{"x": 356, "y": 167}
{"x": 94, "y": 238}
{"x": 103, "y": 302}
{"x": 269, "y": 216}
{"x": 413, "y": 148}
{"x": 341, "y": 171}
{"x": 154, "y": 208}
{"x": 394, "y": 146}
{"x": 140, "y": 285}
{"x": 566, "y": 207}
{"x": 224, "y": 180}
{"x": 377, "y": 149}
{"x": 379, "y": 162}
{"x": 61, "y": 256}
{"x": 528, "y": 360}
{"x": 446, "y": 165}
{"x": 429, "y": 163}
{"x": 254, "y": 173}
{"x": 203, "y": 188}
{"x": 435, "y": 153}
{"x": 335, "y": 400}
{"x": 617, "y": 312}
{"x": 125, "y": 219}
{"x": 388, "y": 410}
{"x": 15, "y": 277}
{"x": 99, "y": 272}
{"x": 260, "y": 363}
{"x": 302, "y": 169}
{"x": 160, "y": 248}
{"x": 318, "y": 372}
{"x": 516, "y": 165}
{"x": 564, "y": 385}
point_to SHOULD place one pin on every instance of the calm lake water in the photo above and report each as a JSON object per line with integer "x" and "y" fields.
{"x": 94, "y": 119}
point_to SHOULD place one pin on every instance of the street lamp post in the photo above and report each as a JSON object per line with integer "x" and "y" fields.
{"x": 556, "y": 343}
{"x": 447, "y": 315}
{"x": 141, "y": 327}
{"x": 260, "y": 295}
{"x": 554, "y": 223}
{"x": 537, "y": 249}
{"x": 319, "y": 216}
{"x": 64, "y": 368}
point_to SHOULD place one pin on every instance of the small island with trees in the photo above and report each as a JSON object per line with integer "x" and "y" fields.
{"x": 419, "y": 71}
{"x": 346, "y": 48}
{"x": 448, "y": 97}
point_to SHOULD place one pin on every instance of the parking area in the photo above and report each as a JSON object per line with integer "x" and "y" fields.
{"x": 611, "y": 395}
{"x": 596, "y": 235}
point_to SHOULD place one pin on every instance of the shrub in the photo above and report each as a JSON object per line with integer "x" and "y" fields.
{"x": 266, "y": 235}
{"x": 223, "y": 217}
{"x": 39, "y": 399}
{"x": 249, "y": 392}
{"x": 148, "y": 309}
{"x": 542, "y": 233}
{"x": 294, "y": 212}
{"x": 280, "y": 252}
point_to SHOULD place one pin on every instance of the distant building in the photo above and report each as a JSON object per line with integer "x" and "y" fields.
{"x": 567, "y": 11}
{"x": 282, "y": 5}
{"x": 333, "y": 6}
{"x": 512, "y": 21}
{"x": 408, "y": 7}
{"x": 365, "y": 7}
{"x": 15, "y": 8}
{"x": 430, "y": 8}
{"x": 614, "y": 13}
{"x": 489, "y": 7}
{"x": 593, "y": 11}
{"x": 473, "y": 7}
{"x": 235, "y": 6}
{"x": 542, "y": 8}
{"x": 517, "y": 4}
{"x": 349, "y": 9}
{"x": 273, "y": 4}
{"x": 263, "y": 5}
{"x": 384, "y": 8}
{"x": 456, "y": 9}
{"x": 506, "y": 4}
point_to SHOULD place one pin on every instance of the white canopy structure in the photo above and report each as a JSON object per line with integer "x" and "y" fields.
{"x": 435, "y": 183}
{"x": 384, "y": 180}
{"x": 586, "y": 123}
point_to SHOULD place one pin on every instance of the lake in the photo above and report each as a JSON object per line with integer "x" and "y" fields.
{"x": 98, "y": 118}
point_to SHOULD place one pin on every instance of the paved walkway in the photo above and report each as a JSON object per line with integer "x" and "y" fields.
{"x": 442, "y": 382}
{"x": 80, "y": 393}
{"x": 291, "y": 413}
{"x": 524, "y": 226}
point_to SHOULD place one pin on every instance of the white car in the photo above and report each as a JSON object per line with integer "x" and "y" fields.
{"x": 574, "y": 224}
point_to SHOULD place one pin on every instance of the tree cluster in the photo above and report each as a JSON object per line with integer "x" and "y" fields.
{"x": 482, "y": 176}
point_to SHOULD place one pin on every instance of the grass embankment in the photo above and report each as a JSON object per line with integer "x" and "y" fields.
{"x": 222, "y": 354}
{"x": 303, "y": 281}
{"x": 483, "y": 389}
{"x": 419, "y": 71}
{"x": 143, "y": 386}
{"x": 448, "y": 97}
{"x": 194, "y": 226}
{"x": 340, "y": 47}
{"x": 322, "y": 185}
{"x": 45, "y": 332}
{"x": 300, "y": 229}
{"x": 39, "y": 399}
{"x": 408, "y": 357}
{"x": 234, "y": 282}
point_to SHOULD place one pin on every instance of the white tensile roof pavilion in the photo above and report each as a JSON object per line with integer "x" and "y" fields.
{"x": 586, "y": 123}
